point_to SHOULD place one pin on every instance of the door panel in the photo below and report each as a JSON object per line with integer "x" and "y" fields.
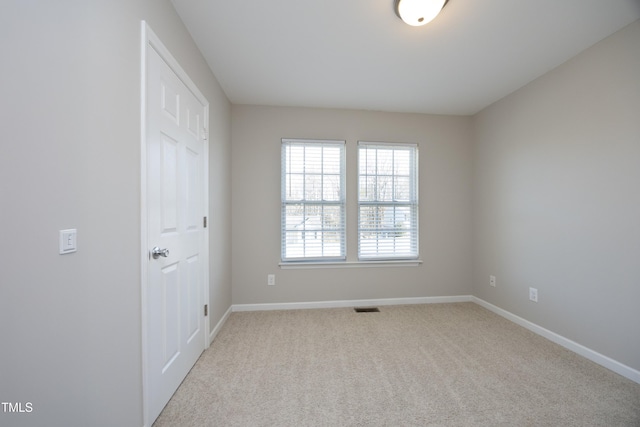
{"x": 170, "y": 316}
{"x": 193, "y": 189}
{"x": 169, "y": 185}
{"x": 193, "y": 284}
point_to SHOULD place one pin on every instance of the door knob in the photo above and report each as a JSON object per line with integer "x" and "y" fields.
{"x": 157, "y": 252}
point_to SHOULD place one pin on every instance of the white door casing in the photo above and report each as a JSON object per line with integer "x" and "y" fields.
{"x": 174, "y": 201}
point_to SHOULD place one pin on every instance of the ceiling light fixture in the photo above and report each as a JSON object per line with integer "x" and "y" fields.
{"x": 418, "y": 12}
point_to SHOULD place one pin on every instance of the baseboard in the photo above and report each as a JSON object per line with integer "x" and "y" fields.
{"x": 219, "y": 325}
{"x": 350, "y": 303}
{"x": 583, "y": 351}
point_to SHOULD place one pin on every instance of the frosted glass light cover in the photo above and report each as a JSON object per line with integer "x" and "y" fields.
{"x": 419, "y": 12}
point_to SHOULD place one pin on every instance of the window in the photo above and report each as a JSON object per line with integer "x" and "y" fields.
{"x": 313, "y": 200}
{"x": 387, "y": 201}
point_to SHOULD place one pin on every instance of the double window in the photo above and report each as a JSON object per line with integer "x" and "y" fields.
{"x": 314, "y": 201}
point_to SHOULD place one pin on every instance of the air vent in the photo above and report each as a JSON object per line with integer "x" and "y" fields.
{"x": 367, "y": 309}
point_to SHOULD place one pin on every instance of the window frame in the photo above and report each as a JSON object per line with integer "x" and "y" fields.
{"x": 286, "y": 202}
{"x": 413, "y": 203}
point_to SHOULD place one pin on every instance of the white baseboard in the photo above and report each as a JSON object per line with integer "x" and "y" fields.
{"x": 583, "y": 351}
{"x": 350, "y": 303}
{"x": 219, "y": 325}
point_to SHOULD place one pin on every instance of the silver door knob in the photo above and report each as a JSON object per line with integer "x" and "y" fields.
{"x": 157, "y": 252}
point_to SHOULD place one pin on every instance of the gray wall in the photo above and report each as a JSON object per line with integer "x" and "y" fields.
{"x": 445, "y": 202}
{"x": 557, "y": 199}
{"x": 70, "y": 157}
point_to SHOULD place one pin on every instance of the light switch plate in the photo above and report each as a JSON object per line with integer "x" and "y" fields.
{"x": 68, "y": 241}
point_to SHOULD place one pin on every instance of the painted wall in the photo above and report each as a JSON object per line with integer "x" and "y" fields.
{"x": 557, "y": 199}
{"x": 70, "y": 158}
{"x": 445, "y": 202}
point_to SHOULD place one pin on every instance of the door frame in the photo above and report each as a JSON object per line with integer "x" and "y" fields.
{"x": 149, "y": 40}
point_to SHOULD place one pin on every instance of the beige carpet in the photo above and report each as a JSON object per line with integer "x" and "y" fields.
{"x": 417, "y": 365}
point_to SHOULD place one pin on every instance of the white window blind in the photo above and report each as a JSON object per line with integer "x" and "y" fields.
{"x": 313, "y": 200}
{"x": 387, "y": 201}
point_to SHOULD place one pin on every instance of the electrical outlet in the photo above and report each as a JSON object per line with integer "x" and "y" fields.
{"x": 271, "y": 279}
{"x": 492, "y": 281}
{"x": 533, "y": 294}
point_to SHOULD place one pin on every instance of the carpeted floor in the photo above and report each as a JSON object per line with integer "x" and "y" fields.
{"x": 416, "y": 365}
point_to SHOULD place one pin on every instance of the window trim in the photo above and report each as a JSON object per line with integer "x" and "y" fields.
{"x": 350, "y": 264}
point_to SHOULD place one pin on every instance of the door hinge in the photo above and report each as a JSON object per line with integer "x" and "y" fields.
{"x": 206, "y": 309}
{"x": 204, "y": 222}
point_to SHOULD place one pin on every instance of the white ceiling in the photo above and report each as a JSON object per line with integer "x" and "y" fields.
{"x": 358, "y": 54}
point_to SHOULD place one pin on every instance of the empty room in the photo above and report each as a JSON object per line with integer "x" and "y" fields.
{"x": 322, "y": 213}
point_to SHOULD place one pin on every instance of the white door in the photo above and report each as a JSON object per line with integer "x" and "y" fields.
{"x": 176, "y": 202}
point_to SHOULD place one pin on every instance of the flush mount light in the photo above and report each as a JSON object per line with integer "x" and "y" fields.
{"x": 418, "y": 12}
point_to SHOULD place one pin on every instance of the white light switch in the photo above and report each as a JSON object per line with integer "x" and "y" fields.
{"x": 68, "y": 241}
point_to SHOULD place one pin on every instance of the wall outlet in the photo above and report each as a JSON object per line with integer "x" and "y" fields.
{"x": 492, "y": 281}
{"x": 533, "y": 294}
{"x": 271, "y": 279}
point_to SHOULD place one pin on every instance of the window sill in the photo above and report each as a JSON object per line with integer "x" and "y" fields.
{"x": 350, "y": 264}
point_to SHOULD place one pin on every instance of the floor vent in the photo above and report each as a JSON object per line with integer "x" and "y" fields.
{"x": 366, "y": 309}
